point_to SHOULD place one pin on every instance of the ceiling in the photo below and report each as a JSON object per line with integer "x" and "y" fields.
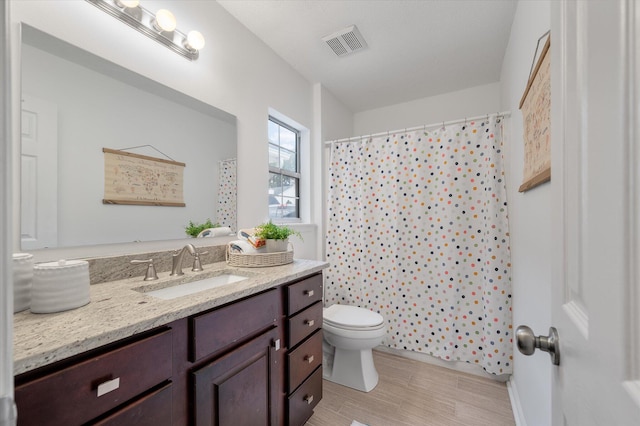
{"x": 416, "y": 48}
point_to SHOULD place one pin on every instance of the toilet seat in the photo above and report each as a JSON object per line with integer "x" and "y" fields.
{"x": 348, "y": 317}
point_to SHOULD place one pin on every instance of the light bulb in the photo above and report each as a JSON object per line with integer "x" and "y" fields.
{"x": 165, "y": 21}
{"x": 128, "y": 3}
{"x": 195, "y": 40}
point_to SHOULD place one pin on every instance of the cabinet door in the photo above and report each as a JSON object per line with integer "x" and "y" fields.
{"x": 241, "y": 387}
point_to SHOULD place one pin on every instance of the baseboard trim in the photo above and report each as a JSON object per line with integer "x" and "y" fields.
{"x": 460, "y": 366}
{"x": 518, "y": 415}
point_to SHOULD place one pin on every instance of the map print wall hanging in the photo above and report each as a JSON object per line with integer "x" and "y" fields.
{"x": 536, "y": 120}
{"x": 136, "y": 179}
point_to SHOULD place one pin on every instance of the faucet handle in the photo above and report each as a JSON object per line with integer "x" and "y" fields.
{"x": 197, "y": 265}
{"x": 151, "y": 269}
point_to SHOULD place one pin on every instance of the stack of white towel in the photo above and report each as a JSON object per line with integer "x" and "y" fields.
{"x": 247, "y": 243}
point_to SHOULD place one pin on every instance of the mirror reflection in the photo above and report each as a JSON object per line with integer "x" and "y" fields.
{"x": 74, "y": 105}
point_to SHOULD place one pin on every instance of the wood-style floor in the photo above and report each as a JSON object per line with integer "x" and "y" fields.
{"x": 413, "y": 393}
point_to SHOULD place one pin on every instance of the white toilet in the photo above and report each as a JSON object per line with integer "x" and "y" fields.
{"x": 350, "y": 333}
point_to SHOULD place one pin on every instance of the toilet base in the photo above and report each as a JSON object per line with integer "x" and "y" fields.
{"x": 354, "y": 369}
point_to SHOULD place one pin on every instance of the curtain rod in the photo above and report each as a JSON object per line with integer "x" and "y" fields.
{"x": 426, "y": 126}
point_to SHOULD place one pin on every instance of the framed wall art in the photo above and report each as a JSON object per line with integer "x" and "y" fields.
{"x": 536, "y": 119}
{"x": 136, "y": 179}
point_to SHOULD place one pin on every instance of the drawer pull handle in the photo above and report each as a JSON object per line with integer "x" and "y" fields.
{"x": 276, "y": 344}
{"x": 108, "y": 386}
{"x": 309, "y": 293}
{"x": 310, "y": 323}
{"x": 308, "y": 399}
{"x": 309, "y": 358}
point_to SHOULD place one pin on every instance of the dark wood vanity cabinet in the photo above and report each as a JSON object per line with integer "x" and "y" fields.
{"x": 303, "y": 308}
{"x": 256, "y": 361}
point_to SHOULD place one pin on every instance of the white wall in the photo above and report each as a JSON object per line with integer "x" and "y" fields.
{"x": 336, "y": 118}
{"x": 469, "y": 102}
{"x": 236, "y": 72}
{"x": 529, "y": 220}
{"x": 335, "y": 121}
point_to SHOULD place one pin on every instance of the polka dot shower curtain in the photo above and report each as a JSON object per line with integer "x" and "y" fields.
{"x": 227, "y": 194}
{"x": 418, "y": 232}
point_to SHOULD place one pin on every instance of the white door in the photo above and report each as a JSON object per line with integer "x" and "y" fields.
{"x": 596, "y": 191}
{"x": 39, "y": 171}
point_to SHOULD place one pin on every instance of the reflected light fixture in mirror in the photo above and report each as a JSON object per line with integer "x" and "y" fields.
{"x": 161, "y": 27}
{"x": 165, "y": 21}
{"x": 128, "y": 3}
{"x": 195, "y": 40}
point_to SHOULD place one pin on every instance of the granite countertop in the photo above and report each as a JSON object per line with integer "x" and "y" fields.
{"x": 119, "y": 309}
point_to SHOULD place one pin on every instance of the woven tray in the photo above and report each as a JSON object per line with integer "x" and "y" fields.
{"x": 259, "y": 260}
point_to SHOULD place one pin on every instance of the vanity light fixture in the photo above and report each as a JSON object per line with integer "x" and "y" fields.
{"x": 160, "y": 26}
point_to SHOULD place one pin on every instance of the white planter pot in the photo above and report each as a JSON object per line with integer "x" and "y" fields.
{"x": 274, "y": 246}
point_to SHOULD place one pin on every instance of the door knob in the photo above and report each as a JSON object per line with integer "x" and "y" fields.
{"x": 528, "y": 342}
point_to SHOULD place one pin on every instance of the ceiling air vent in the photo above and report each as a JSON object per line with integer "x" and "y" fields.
{"x": 346, "y": 41}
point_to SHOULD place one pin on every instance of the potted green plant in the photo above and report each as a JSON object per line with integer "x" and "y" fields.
{"x": 276, "y": 236}
{"x": 194, "y": 229}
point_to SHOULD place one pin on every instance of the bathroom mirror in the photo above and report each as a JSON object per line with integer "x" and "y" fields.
{"x": 74, "y": 105}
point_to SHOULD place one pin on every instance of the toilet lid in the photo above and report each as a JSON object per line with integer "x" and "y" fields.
{"x": 351, "y": 317}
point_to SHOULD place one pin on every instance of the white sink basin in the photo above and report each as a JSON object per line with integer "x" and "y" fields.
{"x": 192, "y": 287}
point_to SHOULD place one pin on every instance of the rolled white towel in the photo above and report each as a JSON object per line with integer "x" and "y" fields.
{"x": 245, "y": 246}
{"x": 215, "y": 232}
{"x": 244, "y": 234}
{"x": 247, "y": 235}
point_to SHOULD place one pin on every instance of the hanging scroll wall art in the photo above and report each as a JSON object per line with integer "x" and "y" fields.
{"x": 135, "y": 179}
{"x": 536, "y": 116}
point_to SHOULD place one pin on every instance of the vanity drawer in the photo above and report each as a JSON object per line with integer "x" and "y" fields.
{"x": 153, "y": 409}
{"x": 304, "y": 293}
{"x": 303, "y": 401}
{"x": 304, "y": 359}
{"x": 304, "y": 323}
{"x": 92, "y": 387}
{"x": 219, "y": 329}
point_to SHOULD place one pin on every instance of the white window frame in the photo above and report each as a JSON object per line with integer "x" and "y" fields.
{"x": 296, "y": 175}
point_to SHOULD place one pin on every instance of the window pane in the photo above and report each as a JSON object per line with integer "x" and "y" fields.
{"x": 283, "y": 196}
{"x": 290, "y": 207}
{"x": 274, "y": 156}
{"x": 288, "y": 160}
{"x": 273, "y": 132}
{"x": 287, "y": 139}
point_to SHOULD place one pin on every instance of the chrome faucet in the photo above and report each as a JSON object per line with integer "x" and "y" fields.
{"x": 176, "y": 268}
